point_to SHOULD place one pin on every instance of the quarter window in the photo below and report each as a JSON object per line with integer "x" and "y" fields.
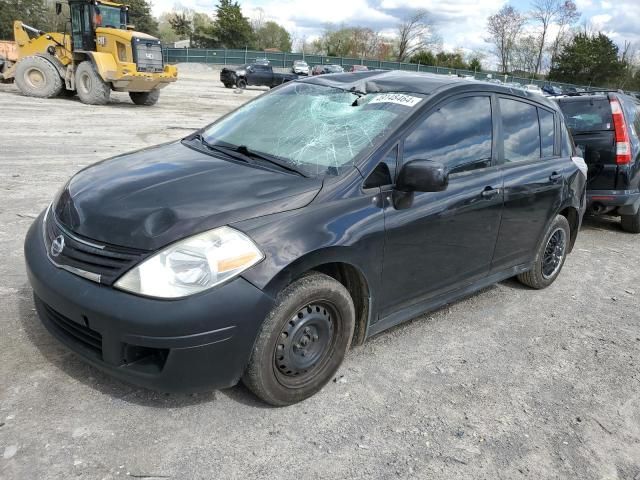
{"x": 547, "y": 132}
{"x": 520, "y": 130}
{"x": 459, "y": 135}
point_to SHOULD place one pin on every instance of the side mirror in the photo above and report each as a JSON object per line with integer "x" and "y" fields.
{"x": 58, "y": 8}
{"x": 422, "y": 176}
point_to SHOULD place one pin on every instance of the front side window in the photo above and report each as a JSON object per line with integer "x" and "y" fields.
{"x": 458, "y": 135}
{"x": 520, "y": 130}
{"x": 315, "y": 128}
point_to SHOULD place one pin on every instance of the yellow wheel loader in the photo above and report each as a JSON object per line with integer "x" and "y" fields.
{"x": 101, "y": 53}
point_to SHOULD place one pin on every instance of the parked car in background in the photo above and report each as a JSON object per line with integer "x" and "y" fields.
{"x": 552, "y": 90}
{"x": 533, "y": 89}
{"x": 262, "y": 61}
{"x": 256, "y": 74}
{"x": 324, "y": 69}
{"x": 359, "y": 68}
{"x": 252, "y": 250}
{"x": 605, "y": 126}
{"x": 300, "y": 67}
{"x": 573, "y": 90}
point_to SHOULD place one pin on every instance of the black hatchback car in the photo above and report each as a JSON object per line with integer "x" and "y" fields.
{"x": 311, "y": 218}
{"x": 606, "y": 127}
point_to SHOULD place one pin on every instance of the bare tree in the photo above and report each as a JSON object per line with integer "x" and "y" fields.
{"x": 414, "y": 34}
{"x": 546, "y": 13}
{"x": 504, "y": 28}
{"x": 568, "y": 17}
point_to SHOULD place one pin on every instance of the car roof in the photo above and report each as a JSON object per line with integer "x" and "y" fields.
{"x": 376, "y": 81}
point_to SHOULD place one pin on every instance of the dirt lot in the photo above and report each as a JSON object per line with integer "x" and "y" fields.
{"x": 511, "y": 383}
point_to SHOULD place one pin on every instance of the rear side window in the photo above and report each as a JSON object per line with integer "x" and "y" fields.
{"x": 587, "y": 114}
{"x": 459, "y": 135}
{"x": 547, "y": 132}
{"x": 567, "y": 142}
{"x": 521, "y": 131}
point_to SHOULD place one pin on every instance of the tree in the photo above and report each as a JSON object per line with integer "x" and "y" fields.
{"x": 589, "y": 60}
{"x": 504, "y": 28}
{"x": 451, "y": 60}
{"x": 568, "y": 17}
{"x": 231, "y": 29}
{"x": 547, "y": 13}
{"x": 140, "y": 16}
{"x": 475, "y": 64}
{"x": 414, "y": 34}
{"x": 272, "y": 35}
{"x": 423, "y": 57}
{"x": 525, "y": 54}
{"x": 182, "y": 24}
{"x": 31, "y": 12}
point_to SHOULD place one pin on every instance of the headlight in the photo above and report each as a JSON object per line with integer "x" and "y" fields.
{"x": 193, "y": 265}
{"x": 241, "y": 73}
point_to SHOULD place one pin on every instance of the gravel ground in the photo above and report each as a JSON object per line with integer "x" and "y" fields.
{"x": 510, "y": 383}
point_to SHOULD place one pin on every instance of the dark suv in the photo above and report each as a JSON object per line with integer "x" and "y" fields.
{"x": 265, "y": 245}
{"x": 605, "y": 126}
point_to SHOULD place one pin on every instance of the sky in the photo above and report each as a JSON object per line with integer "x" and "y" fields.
{"x": 460, "y": 23}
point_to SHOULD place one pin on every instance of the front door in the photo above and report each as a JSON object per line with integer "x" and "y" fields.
{"x": 444, "y": 240}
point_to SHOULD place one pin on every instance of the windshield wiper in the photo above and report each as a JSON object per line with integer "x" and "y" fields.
{"x": 265, "y": 157}
{"x": 220, "y": 149}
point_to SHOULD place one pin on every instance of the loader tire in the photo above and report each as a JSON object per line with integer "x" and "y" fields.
{"x": 91, "y": 89}
{"x": 37, "y": 77}
{"x": 145, "y": 98}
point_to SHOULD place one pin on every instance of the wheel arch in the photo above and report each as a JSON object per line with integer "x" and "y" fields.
{"x": 103, "y": 62}
{"x": 335, "y": 263}
{"x": 573, "y": 217}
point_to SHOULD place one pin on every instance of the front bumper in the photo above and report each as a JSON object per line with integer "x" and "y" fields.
{"x": 194, "y": 344}
{"x": 627, "y": 201}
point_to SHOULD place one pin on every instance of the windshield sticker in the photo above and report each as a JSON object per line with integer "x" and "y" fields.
{"x": 397, "y": 98}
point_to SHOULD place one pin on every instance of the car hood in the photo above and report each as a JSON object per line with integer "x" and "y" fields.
{"x": 150, "y": 198}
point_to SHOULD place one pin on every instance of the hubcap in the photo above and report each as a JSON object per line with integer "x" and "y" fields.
{"x": 35, "y": 78}
{"x": 554, "y": 253}
{"x": 304, "y": 342}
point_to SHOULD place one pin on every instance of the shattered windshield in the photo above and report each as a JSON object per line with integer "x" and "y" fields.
{"x": 314, "y": 128}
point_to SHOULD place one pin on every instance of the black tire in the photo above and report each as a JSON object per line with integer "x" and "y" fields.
{"x": 68, "y": 93}
{"x": 551, "y": 255}
{"x": 302, "y": 342}
{"x": 241, "y": 83}
{"x": 37, "y": 77}
{"x": 631, "y": 223}
{"x": 145, "y": 98}
{"x": 228, "y": 85}
{"x": 91, "y": 89}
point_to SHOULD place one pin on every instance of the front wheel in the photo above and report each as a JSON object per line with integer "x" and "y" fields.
{"x": 91, "y": 88}
{"x": 145, "y": 98}
{"x": 551, "y": 255}
{"x": 241, "y": 84}
{"x": 302, "y": 341}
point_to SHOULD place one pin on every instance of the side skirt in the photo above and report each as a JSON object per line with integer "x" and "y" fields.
{"x": 431, "y": 304}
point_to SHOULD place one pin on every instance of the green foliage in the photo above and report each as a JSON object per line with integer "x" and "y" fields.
{"x": 272, "y": 35}
{"x": 355, "y": 42}
{"x": 423, "y": 57}
{"x": 231, "y": 29}
{"x": 589, "y": 60}
{"x": 30, "y": 12}
{"x": 451, "y": 60}
{"x": 140, "y": 16}
{"x": 475, "y": 64}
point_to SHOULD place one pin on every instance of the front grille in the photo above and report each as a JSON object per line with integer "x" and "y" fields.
{"x": 99, "y": 263}
{"x": 74, "y": 332}
{"x": 147, "y": 54}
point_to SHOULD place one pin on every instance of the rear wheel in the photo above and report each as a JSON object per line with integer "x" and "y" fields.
{"x": 631, "y": 223}
{"x": 37, "y": 77}
{"x": 551, "y": 255}
{"x": 145, "y": 98}
{"x": 302, "y": 341}
{"x": 92, "y": 90}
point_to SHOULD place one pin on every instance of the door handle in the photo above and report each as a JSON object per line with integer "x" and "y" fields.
{"x": 490, "y": 192}
{"x": 555, "y": 177}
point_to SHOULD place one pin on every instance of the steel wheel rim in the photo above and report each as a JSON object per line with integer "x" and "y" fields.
{"x": 554, "y": 253}
{"x": 304, "y": 344}
{"x": 35, "y": 78}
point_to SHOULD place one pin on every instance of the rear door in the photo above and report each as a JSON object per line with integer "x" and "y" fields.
{"x": 444, "y": 240}
{"x": 591, "y": 124}
{"x": 534, "y": 183}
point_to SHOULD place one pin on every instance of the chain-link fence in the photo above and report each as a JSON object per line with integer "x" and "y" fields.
{"x": 286, "y": 59}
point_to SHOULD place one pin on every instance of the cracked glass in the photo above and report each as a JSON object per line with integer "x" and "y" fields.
{"x": 315, "y": 128}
